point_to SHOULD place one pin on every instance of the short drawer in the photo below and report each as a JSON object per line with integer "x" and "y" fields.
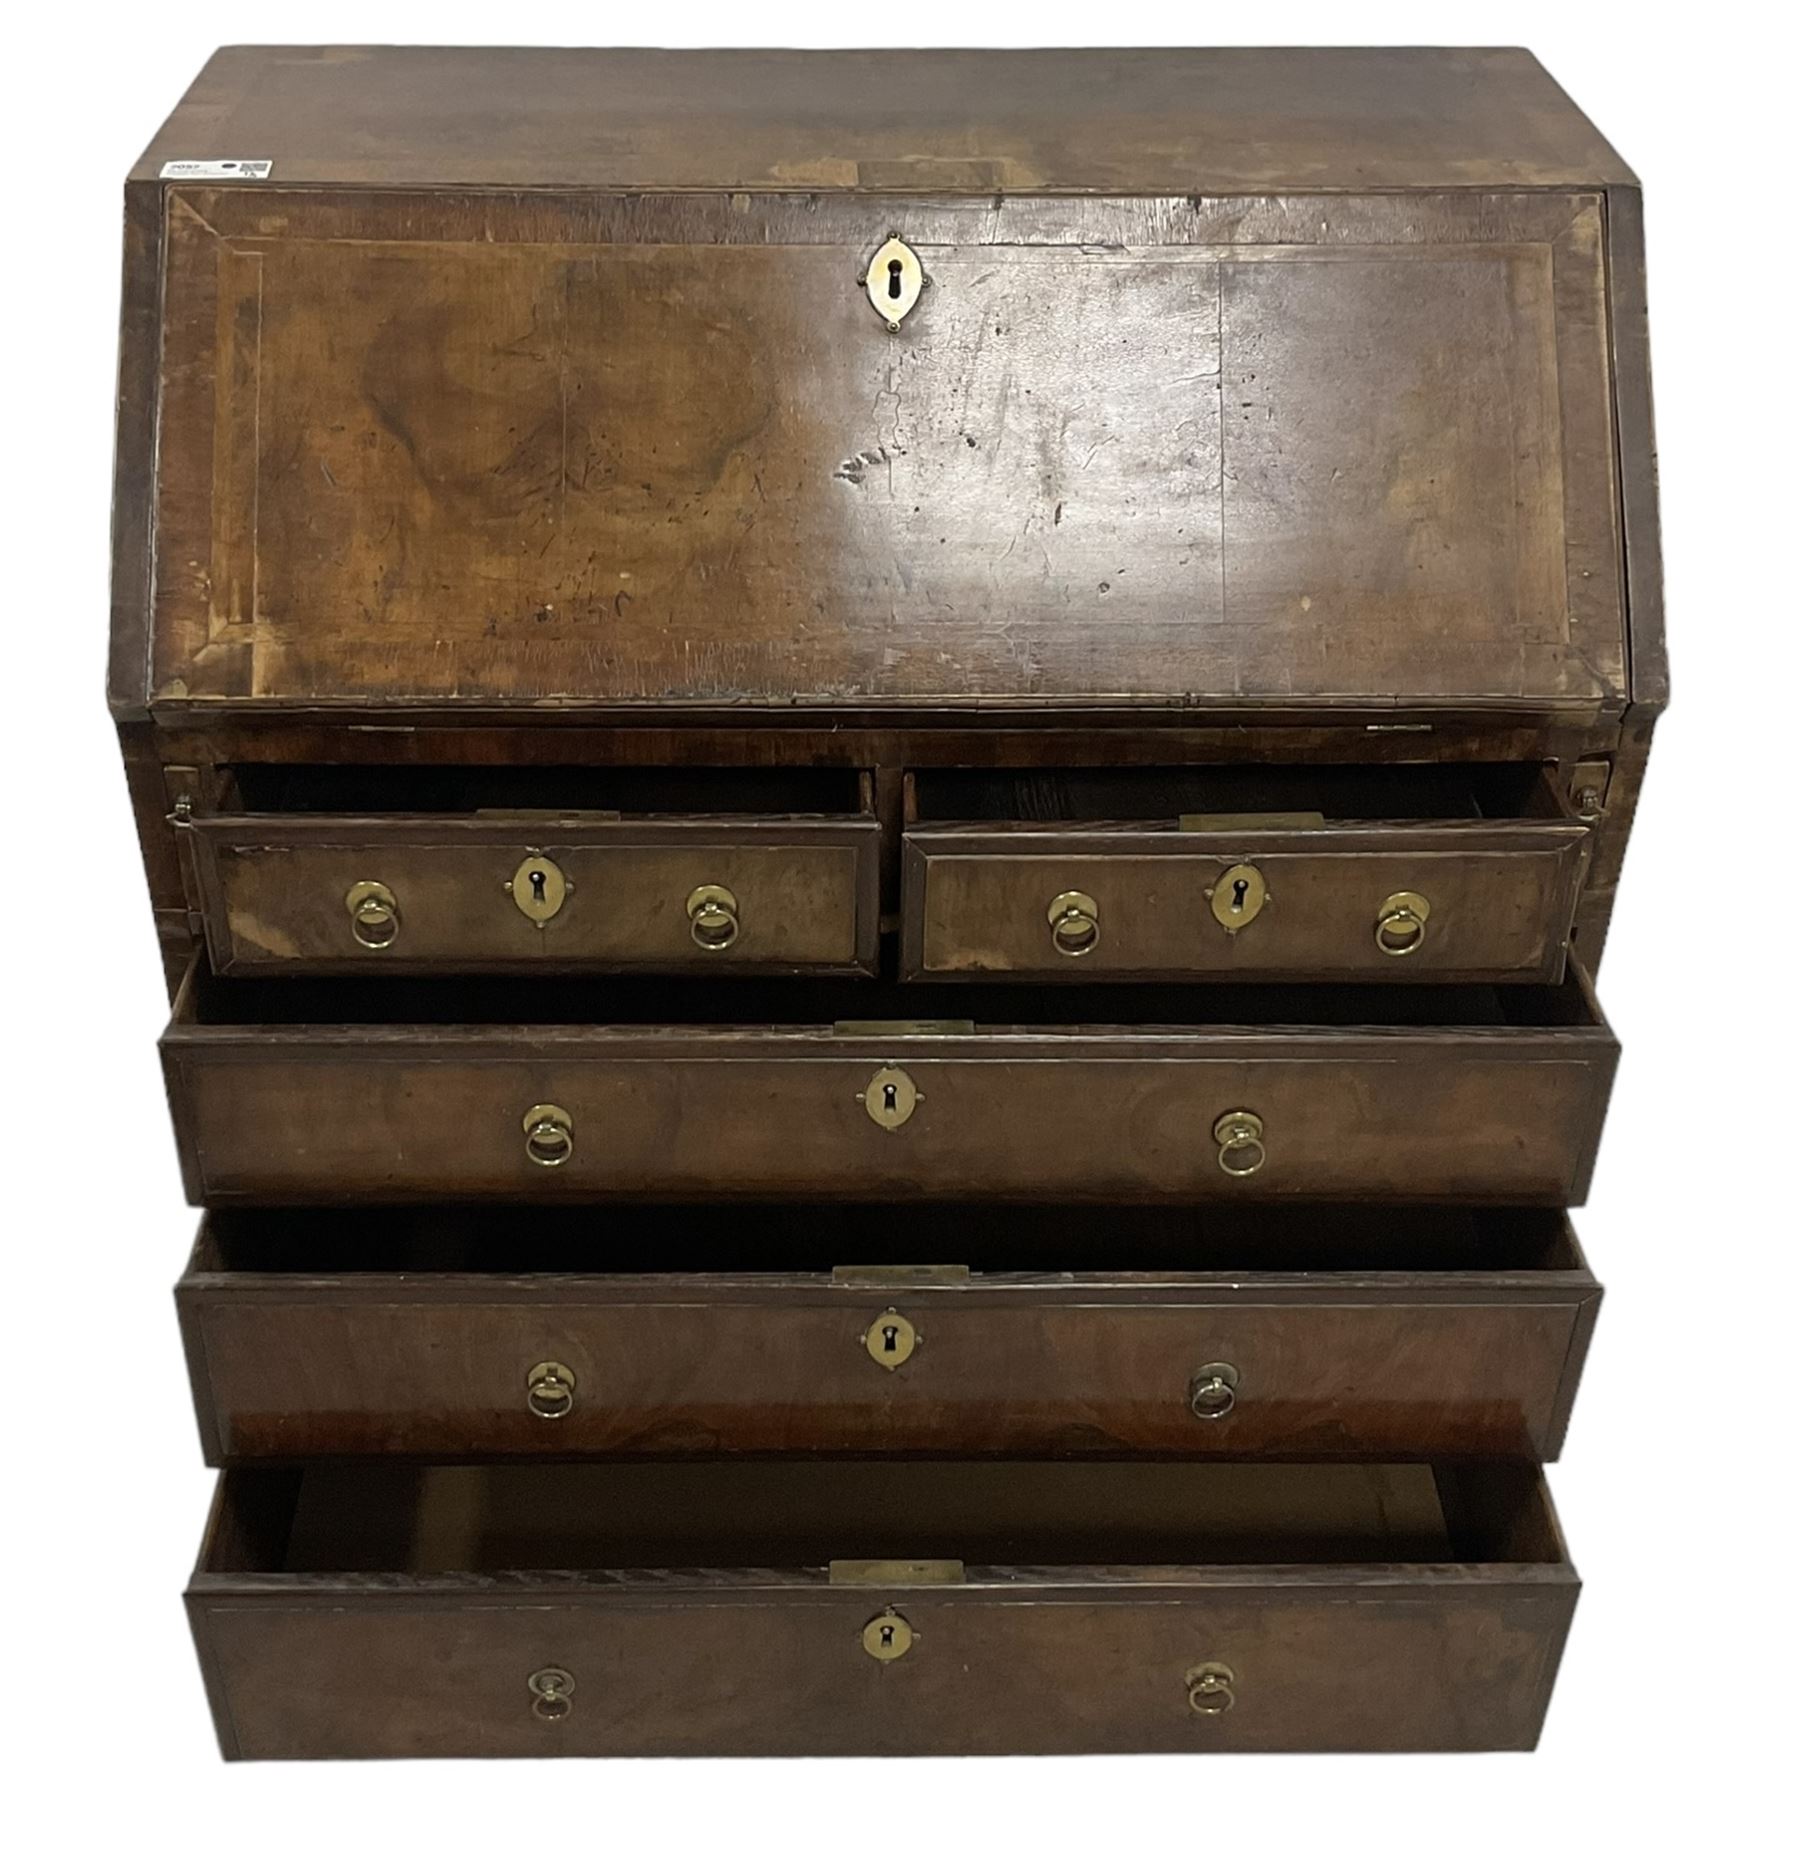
{"x": 655, "y": 889}
{"x": 1317, "y": 1332}
{"x": 357, "y": 1090}
{"x": 542, "y": 1610}
{"x": 1411, "y": 873}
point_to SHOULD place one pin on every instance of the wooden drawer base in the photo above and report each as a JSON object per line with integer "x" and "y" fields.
{"x": 879, "y": 1608}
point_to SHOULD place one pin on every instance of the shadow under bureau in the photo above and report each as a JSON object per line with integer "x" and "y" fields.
{"x": 882, "y": 792}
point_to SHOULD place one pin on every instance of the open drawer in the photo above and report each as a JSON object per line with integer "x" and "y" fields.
{"x": 352, "y": 1091}
{"x": 438, "y": 870}
{"x": 887, "y": 1608}
{"x": 1324, "y": 873}
{"x": 472, "y": 1333}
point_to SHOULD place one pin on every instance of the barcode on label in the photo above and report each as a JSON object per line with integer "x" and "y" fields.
{"x": 231, "y": 169}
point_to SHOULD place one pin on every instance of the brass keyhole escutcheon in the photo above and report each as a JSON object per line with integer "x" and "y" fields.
{"x": 1238, "y": 897}
{"x": 1211, "y": 1688}
{"x": 1400, "y": 922}
{"x": 891, "y": 1097}
{"x": 1239, "y": 1134}
{"x": 1213, "y": 1391}
{"x": 538, "y": 888}
{"x": 712, "y": 912}
{"x": 551, "y": 1691}
{"x": 888, "y": 1636}
{"x": 374, "y": 914}
{"x": 1074, "y": 920}
{"x": 549, "y": 1134}
{"x": 894, "y": 281}
{"x": 550, "y": 1390}
{"x": 891, "y": 1339}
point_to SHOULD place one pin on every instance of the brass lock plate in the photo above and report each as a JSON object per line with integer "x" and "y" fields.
{"x": 538, "y": 888}
{"x": 888, "y": 1636}
{"x": 894, "y": 281}
{"x": 891, "y": 1339}
{"x": 890, "y": 1097}
{"x": 1238, "y": 897}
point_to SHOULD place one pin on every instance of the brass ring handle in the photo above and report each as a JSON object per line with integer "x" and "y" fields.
{"x": 713, "y": 917}
{"x": 374, "y": 914}
{"x": 1239, "y": 1136}
{"x": 1210, "y": 1688}
{"x": 549, "y": 1134}
{"x": 551, "y": 1691}
{"x": 1213, "y": 1391}
{"x": 550, "y": 1390}
{"x": 1400, "y": 922}
{"x": 1074, "y": 920}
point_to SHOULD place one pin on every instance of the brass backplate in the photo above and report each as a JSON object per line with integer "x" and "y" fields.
{"x": 888, "y": 1636}
{"x": 894, "y": 281}
{"x": 538, "y": 887}
{"x": 891, "y": 1339}
{"x": 890, "y": 1097}
{"x": 1238, "y": 897}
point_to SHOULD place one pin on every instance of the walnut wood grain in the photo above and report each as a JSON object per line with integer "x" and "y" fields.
{"x": 271, "y": 888}
{"x": 1076, "y": 1104}
{"x": 1359, "y": 1608}
{"x": 395, "y": 1348}
{"x": 1135, "y": 451}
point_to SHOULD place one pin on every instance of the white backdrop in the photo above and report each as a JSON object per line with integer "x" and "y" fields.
{"x": 1673, "y": 1721}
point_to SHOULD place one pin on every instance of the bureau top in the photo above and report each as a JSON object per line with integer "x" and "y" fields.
{"x": 1120, "y": 122}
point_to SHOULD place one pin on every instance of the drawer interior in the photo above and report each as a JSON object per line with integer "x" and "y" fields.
{"x": 1140, "y": 794}
{"x": 454, "y": 791}
{"x": 800, "y": 1239}
{"x": 800, "y": 1003}
{"x": 806, "y": 1515}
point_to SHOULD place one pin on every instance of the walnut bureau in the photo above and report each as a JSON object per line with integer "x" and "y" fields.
{"x": 881, "y": 791}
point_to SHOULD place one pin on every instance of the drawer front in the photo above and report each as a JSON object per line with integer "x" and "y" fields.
{"x": 1377, "y": 904}
{"x": 1430, "y": 1117}
{"x": 995, "y": 1670}
{"x": 305, "y": 896}
{"x": 1322, "y": 1365}
{"x": 1383, "y": 1636}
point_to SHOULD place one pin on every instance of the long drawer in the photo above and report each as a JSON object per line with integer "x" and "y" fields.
{"x": 359, "y": 1091}
{"x": 883, "y": 1608}
{"x": 697, "y": 879}
{"x": 1399, "y": 875}
{"x": 1312, "y": 1332}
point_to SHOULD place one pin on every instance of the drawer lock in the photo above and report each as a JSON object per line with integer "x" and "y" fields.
{"x": 1211, "y": 1688}
{"x": 374, "y": 914}
{"x": 1238, "y": 897}
{"x": 1239, "y": 1134}
{"x": 891, "y": 1097}
{"x": 893, "y": 280}
{"x": 891, "y": 1339}
{"x": 549, "y": 1134}
{"x": 550, "y": 1390}
{"x": 1400, "y": 922}
{"x": 538, "y": 888}
{"x": 888, "y": 1636}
